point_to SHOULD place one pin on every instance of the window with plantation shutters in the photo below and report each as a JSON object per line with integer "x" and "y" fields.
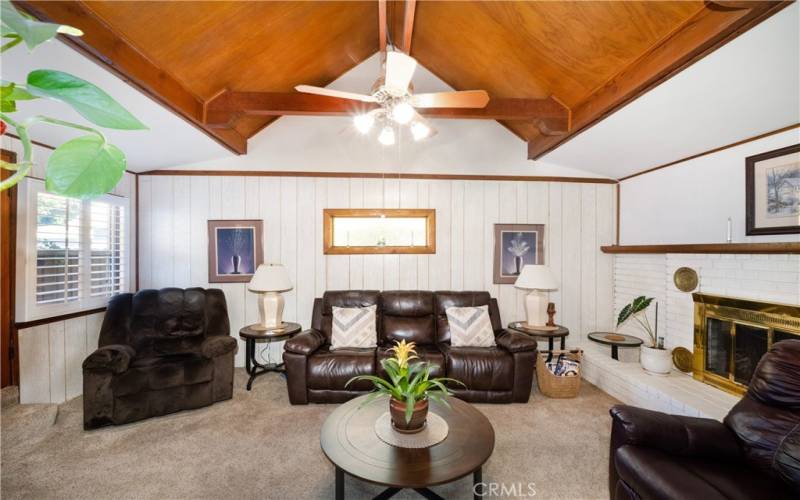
{"x": 81, "y": 253}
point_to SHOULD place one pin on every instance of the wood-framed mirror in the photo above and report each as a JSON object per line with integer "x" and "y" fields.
{"x": 352, "y": 231}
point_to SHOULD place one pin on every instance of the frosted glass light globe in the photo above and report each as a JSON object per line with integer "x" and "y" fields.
{"x": 364, "y": 122}
{"x": 386, "y": 136}
{"x": 402, "y": 113}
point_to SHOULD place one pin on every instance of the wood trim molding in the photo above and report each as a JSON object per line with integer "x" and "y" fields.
{"x": 740, "y": 248}
{"x": 9, "y": 345}
{"x": 703, "y": 33}
{"x": 62, "y": 317}
{"x": 715, "y": 150}
{"x": 112, "y": 51}
{"x": 379, "y": 175}
{"x": 328, "y": 214}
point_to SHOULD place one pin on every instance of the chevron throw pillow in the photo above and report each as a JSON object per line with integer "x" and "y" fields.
{"x": 354, "y": 327}
{"x": 470, "y": 327}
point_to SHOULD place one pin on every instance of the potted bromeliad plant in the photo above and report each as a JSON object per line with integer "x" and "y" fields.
{"x": 655, "y": 358}
{"x": 409, "y": 388}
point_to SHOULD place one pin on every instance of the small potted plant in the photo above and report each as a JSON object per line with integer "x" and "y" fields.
{"x": 655, "y": 358}
{"x": 409, "y": 388}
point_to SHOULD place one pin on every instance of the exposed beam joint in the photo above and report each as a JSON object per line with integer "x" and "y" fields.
{"x": 551, "y": 116}
{"x": 408, "y": 24}
{"x": 101, "y": 44}
{"x": 710, "y": 28}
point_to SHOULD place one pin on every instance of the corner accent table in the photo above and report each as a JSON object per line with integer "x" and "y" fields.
{"x": 560, "y": 332}
{"x": 251, "y": 334}
{"x": 349, "y": 441}
{"x": 626, "y": 341}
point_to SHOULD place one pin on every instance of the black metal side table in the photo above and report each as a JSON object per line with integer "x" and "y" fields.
{"x": 252, "y": 334}
{"x": 615, "y": 340}
{"x": 560, "y": 332}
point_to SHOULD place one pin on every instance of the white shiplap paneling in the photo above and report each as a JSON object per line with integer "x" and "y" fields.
{"x": 578, "y": 218}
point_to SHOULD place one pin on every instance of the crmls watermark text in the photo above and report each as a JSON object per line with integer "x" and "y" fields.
{"x": 510, "y": 490}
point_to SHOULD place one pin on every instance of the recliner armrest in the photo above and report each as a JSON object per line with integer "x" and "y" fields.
{"x": 114, "y": 358}
{"x": 515, "y": 341}
{"x": 218, "y": 345}
{"x": 673, "y": 434}
{"x": 305, "y": 342}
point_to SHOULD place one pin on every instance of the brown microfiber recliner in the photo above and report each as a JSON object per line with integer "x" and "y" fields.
{"x": 754, "y": 454}
{"x": 160, "y": 351}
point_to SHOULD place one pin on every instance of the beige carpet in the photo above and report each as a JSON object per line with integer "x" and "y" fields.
{"x": 259, "y": 446}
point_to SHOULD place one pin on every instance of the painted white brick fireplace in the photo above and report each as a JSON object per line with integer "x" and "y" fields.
{"x": 772, "y": 278}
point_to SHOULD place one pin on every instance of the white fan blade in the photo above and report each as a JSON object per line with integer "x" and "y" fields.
{"x": 308, "y": 89}
{"x": 461, "y": 99}
{"x": 399, "y": 70}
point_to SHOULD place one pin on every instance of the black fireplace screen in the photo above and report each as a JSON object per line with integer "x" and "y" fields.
{"x": 734, "y": 348}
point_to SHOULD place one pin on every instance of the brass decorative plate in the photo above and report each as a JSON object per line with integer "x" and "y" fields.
{"x": 685, "y": 279}
{"x": 682, "y": 358}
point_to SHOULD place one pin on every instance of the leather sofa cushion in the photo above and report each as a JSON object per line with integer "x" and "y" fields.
{"x": 443, "y": 300}
{"x": 323, "y": 320}
{"x": 408, "y": 315}
{"x": 157, "y": 373}
{"x": 654, "y": 474}
{"x": 332, "y": 369}
{"x": 480, "y": 368}
{"x": 776, "y": 380}
{"x": 431, "y": 354}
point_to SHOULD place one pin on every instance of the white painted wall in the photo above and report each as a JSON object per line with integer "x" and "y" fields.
{"x": 579, "y": 219}
{"x": 743, "y": 89}
{"x": 690, "y": 202}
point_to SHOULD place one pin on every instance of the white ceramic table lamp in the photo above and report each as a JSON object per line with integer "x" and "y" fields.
{"x": 269, "y": 281}
{"x": 536, "y": 278}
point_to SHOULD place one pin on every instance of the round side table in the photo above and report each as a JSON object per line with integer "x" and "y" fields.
{"x": 560, "y": 332}
{"x": 252, "y": 334}
{"x": 626, "y": 341}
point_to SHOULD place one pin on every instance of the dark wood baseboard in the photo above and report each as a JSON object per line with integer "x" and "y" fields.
{"x": 741, "y": 248}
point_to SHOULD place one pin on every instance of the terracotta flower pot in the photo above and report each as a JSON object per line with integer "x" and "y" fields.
{"x": 397, "y": 409}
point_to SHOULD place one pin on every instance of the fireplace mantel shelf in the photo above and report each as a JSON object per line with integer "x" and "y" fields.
{"x": 742, "y": 248}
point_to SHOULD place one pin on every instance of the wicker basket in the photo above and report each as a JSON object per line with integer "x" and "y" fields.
{"x": 554, "y": 386}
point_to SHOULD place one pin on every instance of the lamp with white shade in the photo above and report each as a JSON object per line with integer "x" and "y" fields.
{"x": 538, "y": 279}
{"x": 270, "y": 280}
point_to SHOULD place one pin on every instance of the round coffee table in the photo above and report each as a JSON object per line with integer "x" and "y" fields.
{"x": 626, "y": 341}
{"x": 252, "y": 334}
{"x": 349, "y": 441}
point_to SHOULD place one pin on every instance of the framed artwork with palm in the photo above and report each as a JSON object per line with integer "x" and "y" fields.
{"x": 515, "y": 246}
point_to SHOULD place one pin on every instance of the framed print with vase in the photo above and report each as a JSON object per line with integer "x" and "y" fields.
{"x": 234, "y": 250}
{"x": 515, "y": 246}
{"x": 772, "y": 192}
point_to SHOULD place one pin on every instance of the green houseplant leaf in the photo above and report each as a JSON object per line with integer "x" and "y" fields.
{"x": 624, "y": 314}
{"x": 33, "y": 32}
{"x": 85, "y": 98}
{"x": 10, "y": 93}
{"x": 85, "y": 167}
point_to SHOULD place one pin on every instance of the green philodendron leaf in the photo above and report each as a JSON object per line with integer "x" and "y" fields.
{"x": 624, "y": 314}
{"x": 85, "y": 167}
{"x": 9, "y": 94}
{"x": 85, "y": 98}
{"x": 33, "y": 32}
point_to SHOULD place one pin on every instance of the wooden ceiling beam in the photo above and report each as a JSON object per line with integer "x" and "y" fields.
{"x": 101, "y": 44}
{"x": 382, "y": 25}
{"x": 550, "y": 115}
{"x": 706, "y": 31}
{"x": 408, "y": 24}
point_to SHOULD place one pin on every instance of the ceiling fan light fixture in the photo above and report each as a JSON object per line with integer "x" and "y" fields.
{"x": 386, "y": 137}
{"x": 364, "y": 122}
{"x": 402, "y": 112}
{"x": 420, "y": 131}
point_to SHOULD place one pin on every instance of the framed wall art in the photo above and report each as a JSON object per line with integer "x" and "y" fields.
{"x": 234, "y": 250}
{"x": 515, "y": 246}
{"x": 772, "y": 192}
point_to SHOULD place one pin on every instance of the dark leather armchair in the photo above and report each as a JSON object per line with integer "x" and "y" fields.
{"x": 754, "y": 453}
{"x": 160, "y": 351}
{"x": 316, "y": 374}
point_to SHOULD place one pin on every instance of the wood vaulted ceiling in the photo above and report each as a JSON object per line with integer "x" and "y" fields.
{"x": 590, "y": 56}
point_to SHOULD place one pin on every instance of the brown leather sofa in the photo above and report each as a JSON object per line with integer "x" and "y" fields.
{"x": 316, "y": 374}
{"x": 754, "y": 454}
{"x": 160, "y": 351}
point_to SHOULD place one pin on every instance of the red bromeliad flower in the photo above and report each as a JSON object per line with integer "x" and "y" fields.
{"x": 2, "y": 127}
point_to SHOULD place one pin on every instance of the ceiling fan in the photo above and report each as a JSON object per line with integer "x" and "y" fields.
{"x": 393, "y": 93}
